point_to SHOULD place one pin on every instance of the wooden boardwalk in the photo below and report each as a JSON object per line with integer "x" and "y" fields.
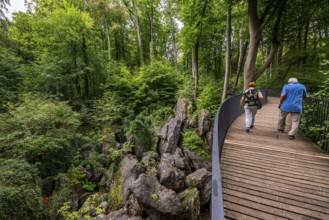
{"x": 265, "y": 177}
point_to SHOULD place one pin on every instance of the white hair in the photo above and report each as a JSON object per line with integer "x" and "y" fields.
{"x": 292, "y": 80}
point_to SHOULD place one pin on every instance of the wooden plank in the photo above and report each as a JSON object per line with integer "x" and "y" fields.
{"x": 274, "y": 168}
{"x": 282, "y": 198}
{"x": 271, "y": 206}
{"x": 235, "y": 204}
{"x": 281, "y": 187}
{"x": 265, "y": 177}
{"x": 230, "y": 214}
{"x": 276, "y": 160}
{"x": 277, "y": 178}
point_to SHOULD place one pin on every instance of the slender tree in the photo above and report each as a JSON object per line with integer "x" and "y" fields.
{"x": 228, "y": 52}
{"x": 256, "y": 27}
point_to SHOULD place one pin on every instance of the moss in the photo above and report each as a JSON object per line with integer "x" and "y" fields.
{"x": 154, "y": 197}
{"x": 116, "y": 196}
{"x": 190, "y": 201}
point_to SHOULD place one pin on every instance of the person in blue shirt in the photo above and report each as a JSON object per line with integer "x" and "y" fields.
{"x": 291, "y": 102}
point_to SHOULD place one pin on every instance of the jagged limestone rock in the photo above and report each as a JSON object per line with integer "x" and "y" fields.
{"x": 190, "y": 201}
{"x": 152, "y": 194}
{"x": 171, "y": 176}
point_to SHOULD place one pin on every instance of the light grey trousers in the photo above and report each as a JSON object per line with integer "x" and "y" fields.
{"x": 294, "y": 117}
{"x": 250, "y": 112}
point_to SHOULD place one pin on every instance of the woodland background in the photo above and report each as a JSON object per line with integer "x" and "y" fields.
{"x": 74, "y": 73}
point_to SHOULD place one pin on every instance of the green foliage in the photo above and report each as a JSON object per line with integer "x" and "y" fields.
{"x": 91, "y": 203}
{"x": 154, "y": 197}
{"x": 75, "y": 175}
{"x": 157, "y": 86}
{"x": 194, "y": 143}
{"x": 60, "y": 196}
{"x": 61, "y": 40}
{"x": 119, "y": 153}
{"x": 66, "y": 213}
{"x": 135, "y": 103}
{"x": 116, "y": 196}
{"x": 89, "y": 186}
{"x": 315, "y": 121}
{"x": 39, "y": 130}
{"x": 210, "y": 97}
{"x": 20, "y": 194}
{"x": 323, "y": 92}
{"x": 313, "y": 111}
{"x": 9, "y": 77}
{"x": 187, "y": 88}
{"x": 141, "y": 129}
{"x": 78, "y": 178}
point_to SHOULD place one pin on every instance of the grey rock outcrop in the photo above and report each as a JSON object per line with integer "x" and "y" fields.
{"x": 170, "y": 133}
{"x": 128, "y": 173}
{"x": 204, "y": 123}
{"x": 171, "y": 176}
{"x": 190, "y": 200}
{"x": 195, "y": 161}
{"x": 151, "y": 193}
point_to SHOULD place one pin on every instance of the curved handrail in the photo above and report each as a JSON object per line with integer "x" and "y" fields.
{"x": 228, "y": 111}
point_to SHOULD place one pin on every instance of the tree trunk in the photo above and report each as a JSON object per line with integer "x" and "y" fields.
{"x": 255, "y": 37}
{"x": 107, "y": 32}
{"x": 228, "y": 54}
{"x": 242, "y": 52}
{"x": 151, "y": 33}
{"x": 255, "y": 29}
{"x": 86, "y": 71}
{"x": 175, "y": 51}
{"x": 139, "y": 36}
{"x": 195, "y": 68}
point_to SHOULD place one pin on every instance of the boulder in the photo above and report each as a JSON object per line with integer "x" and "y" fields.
{"x": 190, "y": 201}
{"x": 195, "y": 161}
{"x": 137, "y": 150}
{"x": 128, "y": 173}
{"x": 171, "y": 176}
{"x": 133, "y": 207}
{"x": 152, "y": 194}
{"x": 204, "y": 122}
{"x": 197, "y": 178}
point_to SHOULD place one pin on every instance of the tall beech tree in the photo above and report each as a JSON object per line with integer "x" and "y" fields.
{"x": 228, "y": 51}
{"x": 273, "y": 8}
{"x": 194, "y": 13}
{"x": 134, "y": 16}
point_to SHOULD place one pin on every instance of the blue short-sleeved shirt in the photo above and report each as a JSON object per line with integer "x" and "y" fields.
{"x": 294, "y": 94}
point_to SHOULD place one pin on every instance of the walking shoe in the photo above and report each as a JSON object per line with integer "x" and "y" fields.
{"x": 291, "y": 137}
{"x": 251, "y": 126}
{"x": 247, "y": 130}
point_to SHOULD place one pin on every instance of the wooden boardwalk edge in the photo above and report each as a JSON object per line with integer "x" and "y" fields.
{"x": 265, "y": 177}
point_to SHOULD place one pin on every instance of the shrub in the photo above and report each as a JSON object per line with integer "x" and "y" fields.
{"x": 194, "y": 143}
{"x": 20, "y": 194}
{"x": 41, "y": 131}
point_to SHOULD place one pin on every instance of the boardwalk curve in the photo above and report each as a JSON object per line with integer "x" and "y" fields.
{"x": 265, "y": 177}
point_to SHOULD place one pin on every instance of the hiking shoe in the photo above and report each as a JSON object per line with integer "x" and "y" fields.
{"x": 251, "y": 126}
{"x": 292, "y": 137}
{"x": 247, "y": 130}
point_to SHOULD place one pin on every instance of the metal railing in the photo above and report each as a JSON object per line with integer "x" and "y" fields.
{"x": 315, "y": 121}
{"x": 228, "y": 111}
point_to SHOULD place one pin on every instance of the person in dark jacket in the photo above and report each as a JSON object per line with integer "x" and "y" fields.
{"x": 249, "y": 103}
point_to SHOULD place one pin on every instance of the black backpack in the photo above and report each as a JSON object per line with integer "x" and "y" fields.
{"x": 251, "y": 97}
